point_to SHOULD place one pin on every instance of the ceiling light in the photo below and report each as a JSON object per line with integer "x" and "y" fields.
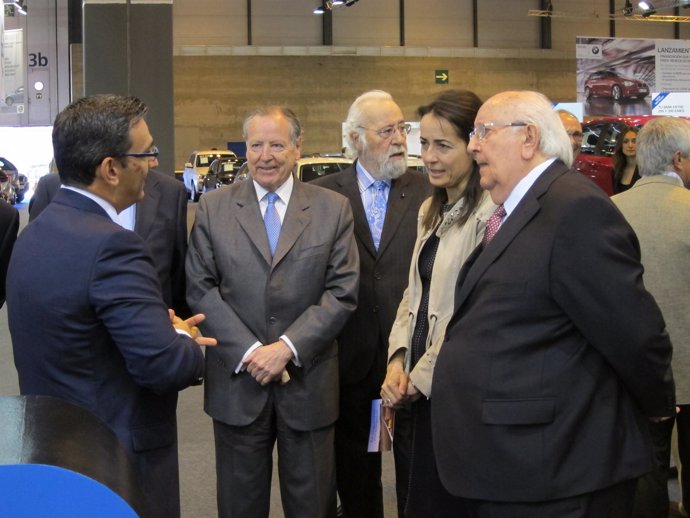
{"x": 319, "y": 10}
{"x": 647, "y": 8}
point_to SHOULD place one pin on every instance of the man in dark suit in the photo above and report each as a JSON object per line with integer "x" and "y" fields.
{"x": 273, "y": 264}
{"x": 556, "y": 355}
{"x": 85, "y": 309}
{"x": 375, "y": 132}
{"x": 160, "y": 219}
{"x": 9, "y": 226}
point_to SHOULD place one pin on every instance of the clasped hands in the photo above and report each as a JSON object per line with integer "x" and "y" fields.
{"x": 266, "y": 364}
{"x": 397, "y": 389}
{"x": 189, "y": 326}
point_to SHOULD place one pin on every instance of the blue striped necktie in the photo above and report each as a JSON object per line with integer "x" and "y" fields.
{"x": 272, "y": 221}
{"x": 377, "y": 211}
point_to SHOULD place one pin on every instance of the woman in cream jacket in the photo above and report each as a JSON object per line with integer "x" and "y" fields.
{"x": 450, "y": 226}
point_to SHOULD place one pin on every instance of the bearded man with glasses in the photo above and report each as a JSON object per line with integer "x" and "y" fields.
{"x": 385, "y": 197}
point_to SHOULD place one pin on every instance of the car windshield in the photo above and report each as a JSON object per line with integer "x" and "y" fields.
{"x": 205, "y": 160}
{"x": 310, "y": 172}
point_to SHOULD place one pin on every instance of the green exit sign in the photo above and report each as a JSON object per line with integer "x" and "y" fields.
{"x": 441, "y": 77}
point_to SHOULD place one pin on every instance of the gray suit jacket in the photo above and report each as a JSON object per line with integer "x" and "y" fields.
{"x": 307, "y": 291}
{"x": 658, "y": 210}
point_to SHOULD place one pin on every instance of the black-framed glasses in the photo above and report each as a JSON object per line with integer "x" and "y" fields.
{"x": 386, "y": 133}
{"x": 152, "y": 153}
{"x": 482, "y": 129}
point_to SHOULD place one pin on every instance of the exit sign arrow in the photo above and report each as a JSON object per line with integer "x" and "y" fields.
{"x": 441, "y": 77}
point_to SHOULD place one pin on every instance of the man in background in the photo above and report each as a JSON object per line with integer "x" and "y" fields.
{"x": 658, "y": 209}
{"x": 160, "y": 219}
{"x": 85, "y": 309}
{"x": 385, "y": 199}
{"x": 272, "y": 262}
{"x": 573, "y": 128}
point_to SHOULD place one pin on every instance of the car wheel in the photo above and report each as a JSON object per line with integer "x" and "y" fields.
{"x": 616, "y": 93}
{"x": 588, "y": 93}
{"x": 20, "y": 198}
{"x": 9, "y": 101}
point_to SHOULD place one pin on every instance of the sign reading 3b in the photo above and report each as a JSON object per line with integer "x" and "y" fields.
{"x": 37, "y": 60}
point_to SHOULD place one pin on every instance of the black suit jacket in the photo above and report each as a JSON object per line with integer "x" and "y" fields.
{"x": 161, "y": 219}
{"x": 9, "y": 226}
{"x": 554, "y": 356}
{"x": 383, "y": 273}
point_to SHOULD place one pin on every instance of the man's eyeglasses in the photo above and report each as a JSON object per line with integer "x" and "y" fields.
{"x": 153, "y": 153}
{"x": 386, "y": 133}
{"x": 482, "y": 129}
{"x": 575, "y": 134}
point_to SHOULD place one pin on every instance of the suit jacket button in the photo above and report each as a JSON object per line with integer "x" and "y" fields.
{"x": 272, "y": 320}
{"x": 376, "y": 309}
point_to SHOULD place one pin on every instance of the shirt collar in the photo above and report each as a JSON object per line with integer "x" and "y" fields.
{"x": 284, "y": 191}
{"x": 524, "y": 185}
{"x": 106, "y": 206}
{"x": 365, "y": 178}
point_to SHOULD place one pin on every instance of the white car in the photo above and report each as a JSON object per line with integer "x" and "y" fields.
{"x": 196, "y": 168}
{"x": 311, "y": 168}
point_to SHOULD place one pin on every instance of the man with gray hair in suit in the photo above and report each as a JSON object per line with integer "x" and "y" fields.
{"x": 658, "y": 209}
{"x": 275, "y": 263}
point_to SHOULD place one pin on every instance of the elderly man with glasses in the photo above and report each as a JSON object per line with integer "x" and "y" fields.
{"x": 556, "y": 356}
{"x": 385, "y": 197}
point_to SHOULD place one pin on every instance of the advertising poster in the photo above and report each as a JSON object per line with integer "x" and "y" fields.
{"x": 616, "y": 76}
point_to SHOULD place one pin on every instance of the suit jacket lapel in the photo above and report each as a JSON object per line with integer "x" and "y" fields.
{"x": 249, "y": 218}
{"x": 146, "y": 212}
{"x": 480, "y": 260}
{"x": 398, "y": 202}
{"x": 296, "y": 220}
{"x": 350, "y": 189}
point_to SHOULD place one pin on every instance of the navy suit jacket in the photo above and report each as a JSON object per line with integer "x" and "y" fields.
{"x": 555, "y": 354}
{"x": 161, "y": 219}
{"x": 89, "y": 324}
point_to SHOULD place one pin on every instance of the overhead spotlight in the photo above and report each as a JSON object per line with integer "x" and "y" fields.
{"x": 647, "y": 8}
{"x": 628, "y": 9}
{"x": 338, "y": 3}
{"x": 350, "y": 3}
{"x": 319, "y": 10}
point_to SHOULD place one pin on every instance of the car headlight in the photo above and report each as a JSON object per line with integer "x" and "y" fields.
{"x": 628, "y": 83}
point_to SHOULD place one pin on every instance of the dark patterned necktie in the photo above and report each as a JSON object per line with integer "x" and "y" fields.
{"x": 493, "y": 224}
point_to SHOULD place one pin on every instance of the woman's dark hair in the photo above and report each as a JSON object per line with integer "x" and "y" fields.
{"x": 619, "y": 159}
{"x": 459, "y": 108}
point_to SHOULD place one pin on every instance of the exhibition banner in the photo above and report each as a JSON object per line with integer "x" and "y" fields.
{"x": 616, "y": 76}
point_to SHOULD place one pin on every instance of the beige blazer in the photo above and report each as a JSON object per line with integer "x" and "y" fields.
{"x": 658, "y": 210}
{"x": 455, "y": 245}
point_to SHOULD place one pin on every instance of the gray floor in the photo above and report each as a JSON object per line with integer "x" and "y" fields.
{"x": 197, "y": 469}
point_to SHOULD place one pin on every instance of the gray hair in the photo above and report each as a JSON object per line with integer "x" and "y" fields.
{"x": 537, "y": 109}
{"x": 296, "y": 132}
{"x": 657, "y": 142}
{"x": 356, "y": 118}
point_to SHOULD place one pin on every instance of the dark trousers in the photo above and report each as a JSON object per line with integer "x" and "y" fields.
{"x": 426, "y": 496}
{"x": 651, "y": 498}
{"x": 358, "y": 472}
{"x": 244, "y": 463}
{"x": 612, "y": 502}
